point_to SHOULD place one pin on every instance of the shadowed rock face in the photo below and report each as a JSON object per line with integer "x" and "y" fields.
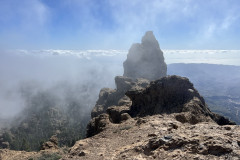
{"x": 145, "y": 60}
{"x": 116, "y": 97}
{"x": 167, "y": 95}
{"x": 173, "y": 94}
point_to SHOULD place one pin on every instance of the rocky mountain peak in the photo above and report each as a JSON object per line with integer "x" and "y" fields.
{"x": 145, "y": 60}
{"x": 162, "y": 119}
{"x": 150, "y": 40}
{"x": 150, "y": 114}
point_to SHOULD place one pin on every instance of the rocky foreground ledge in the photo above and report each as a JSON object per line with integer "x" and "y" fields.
{"x": 168, "y": 119}
{"x": 160, "y": 137}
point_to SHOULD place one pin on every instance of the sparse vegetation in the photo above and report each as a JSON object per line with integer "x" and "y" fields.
{"x": 47, "y": 156}
{"x": 122, "y": 128}
{"x": 125, "y": 128}
{"x": 43, "y": 118}
{"x": 53, "y": 156}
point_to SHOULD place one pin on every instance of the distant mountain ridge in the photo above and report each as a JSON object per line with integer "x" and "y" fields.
{"x": 218, "y": 84}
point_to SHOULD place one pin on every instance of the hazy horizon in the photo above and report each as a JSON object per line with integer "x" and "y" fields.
{"x": 224, "y": 57}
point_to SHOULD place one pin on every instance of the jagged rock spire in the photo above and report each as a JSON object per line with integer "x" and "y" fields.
{"x": 145, "y": 60}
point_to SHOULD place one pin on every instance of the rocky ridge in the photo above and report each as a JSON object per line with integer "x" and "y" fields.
{"x": 173, "y": 94}
{"x": 157, "y": 127}
{"x": 186, "y": 129}
{"x": 162, "y": 119}
{"x": 140, "y": 97}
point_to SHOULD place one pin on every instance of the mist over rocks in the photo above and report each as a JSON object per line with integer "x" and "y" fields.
{"x": 52, "y": 94}
{"x": 145, "y": 60}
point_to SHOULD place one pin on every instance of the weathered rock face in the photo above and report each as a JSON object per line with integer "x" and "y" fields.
{"x": 149, "y": 138}
{"x": 115, "y": 103}
{"x": 168, "y": 95}
{"x": 116, "y": 97}
{"x": 51, "y": 144}
{"x": 160, "y": 137}
{"x": 173, "y": 94}
{"x": 145, "y": 60}
{"x": 97, "y": 124}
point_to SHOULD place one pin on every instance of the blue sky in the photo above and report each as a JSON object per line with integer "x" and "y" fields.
{"x": 116, "y": 24}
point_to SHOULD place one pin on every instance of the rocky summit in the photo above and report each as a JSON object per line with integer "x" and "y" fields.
{"x": 145, "y": 60}
{"x": 173, "y": 94}
{"x": 168, "y": 119}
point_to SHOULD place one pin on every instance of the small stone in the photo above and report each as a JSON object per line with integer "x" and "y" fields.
{"x": 227, "y": 128}
{"x": 168, "y": 137}
{"x": 152, "y": 135}
{"x": 125, "y": 116}
{"x": 82, "y": 154}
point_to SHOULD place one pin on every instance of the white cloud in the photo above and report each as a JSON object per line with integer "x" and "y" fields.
{"x": 228, "y": 21}
{"x": 229, "y": 57}
{"x": 139, "y": 14}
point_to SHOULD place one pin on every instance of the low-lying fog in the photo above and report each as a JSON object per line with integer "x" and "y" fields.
{"x": 64, "y": 73}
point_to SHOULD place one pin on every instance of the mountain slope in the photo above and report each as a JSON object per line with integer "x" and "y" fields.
{"x": 218, "y": 84}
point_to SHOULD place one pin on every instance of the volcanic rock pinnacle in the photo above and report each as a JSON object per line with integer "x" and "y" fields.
{"x": 145, "y": 60}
